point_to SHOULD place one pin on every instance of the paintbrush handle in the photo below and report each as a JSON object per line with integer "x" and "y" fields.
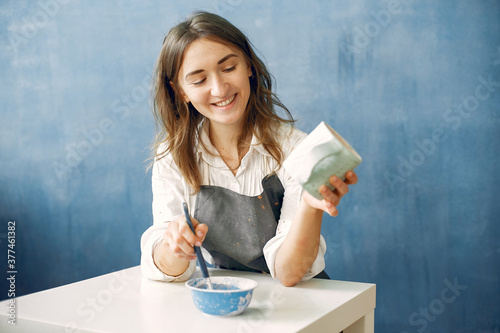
{"x": 197, "y": 250}
{"x": 201, "y": 262}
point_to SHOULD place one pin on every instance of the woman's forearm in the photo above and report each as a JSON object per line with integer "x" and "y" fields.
{"x": 300, "y": 247}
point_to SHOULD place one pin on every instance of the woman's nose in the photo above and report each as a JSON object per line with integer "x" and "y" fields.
{"x": 219, "y": 87}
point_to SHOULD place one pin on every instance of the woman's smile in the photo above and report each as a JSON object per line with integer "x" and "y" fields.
{"x": 226, "y": 102}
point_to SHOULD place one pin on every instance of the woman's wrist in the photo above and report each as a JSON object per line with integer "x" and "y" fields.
{"x": 307, "y": 208}
{"x": 167, "y": 262}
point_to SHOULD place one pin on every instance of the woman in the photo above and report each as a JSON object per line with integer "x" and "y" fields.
{"x": 220, "y": 148}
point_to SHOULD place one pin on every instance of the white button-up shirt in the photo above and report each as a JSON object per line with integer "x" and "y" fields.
{"x": 170, "y": 190}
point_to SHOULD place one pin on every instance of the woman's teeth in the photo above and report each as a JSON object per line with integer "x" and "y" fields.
{"x": 226, "y": 102}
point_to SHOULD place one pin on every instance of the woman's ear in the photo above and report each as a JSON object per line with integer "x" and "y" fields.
{"x": 179, "y": 92}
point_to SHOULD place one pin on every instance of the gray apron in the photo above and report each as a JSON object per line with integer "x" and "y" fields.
{"x": 239, "y": 225}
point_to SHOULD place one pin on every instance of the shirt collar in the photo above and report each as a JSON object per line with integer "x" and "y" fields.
{"x": 258, "y": 147}
{"x": 209, "y": 154}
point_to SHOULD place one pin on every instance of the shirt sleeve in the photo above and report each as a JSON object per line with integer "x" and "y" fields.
{"x": 291, "y": 200}
{"x": 168, "y": 195}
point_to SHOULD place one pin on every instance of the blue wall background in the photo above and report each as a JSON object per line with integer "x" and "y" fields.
{"x": 405, "y": 82}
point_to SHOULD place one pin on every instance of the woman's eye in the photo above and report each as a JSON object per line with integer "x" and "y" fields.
{"x": 230, "y": 69}
{"x": 199, "y": 82}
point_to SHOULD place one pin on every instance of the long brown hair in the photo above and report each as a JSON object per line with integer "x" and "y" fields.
{"x": 178, "y": 122}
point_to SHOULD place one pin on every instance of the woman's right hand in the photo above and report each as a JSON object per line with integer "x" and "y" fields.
{"x": 173, "y": 253}
{"x": 179, "y": 238}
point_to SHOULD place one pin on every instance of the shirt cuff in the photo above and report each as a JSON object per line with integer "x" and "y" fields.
{"x": 149, "y": 239}
{"x": 274, "y": 244}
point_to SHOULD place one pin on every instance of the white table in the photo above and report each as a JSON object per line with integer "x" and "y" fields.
{"x": 124, "y": 302}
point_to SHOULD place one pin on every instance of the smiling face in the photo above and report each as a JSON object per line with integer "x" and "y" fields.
{"x": 214, "y": 77}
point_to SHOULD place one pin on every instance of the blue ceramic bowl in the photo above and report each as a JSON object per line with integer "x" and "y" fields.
{"x": 230, "y": 295}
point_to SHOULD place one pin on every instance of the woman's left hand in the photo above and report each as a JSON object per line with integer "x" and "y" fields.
{"x": 331, "y": 199}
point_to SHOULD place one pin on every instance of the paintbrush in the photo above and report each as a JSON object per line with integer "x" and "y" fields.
{"x": 201, "y": 261}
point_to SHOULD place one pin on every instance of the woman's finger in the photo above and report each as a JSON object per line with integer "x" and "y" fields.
{"x": 329, "y": 195}
{"x": 177, "y": 243}
{"x": 171, "y": 247}
{"x": 200, "y": 229}
{"x": 331, "y": 209}
{"x": 330, "y": 201}
{"x": 351, "y": 178}
{"x": 188, "y": 234}
{"x": 339, "y": 185}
